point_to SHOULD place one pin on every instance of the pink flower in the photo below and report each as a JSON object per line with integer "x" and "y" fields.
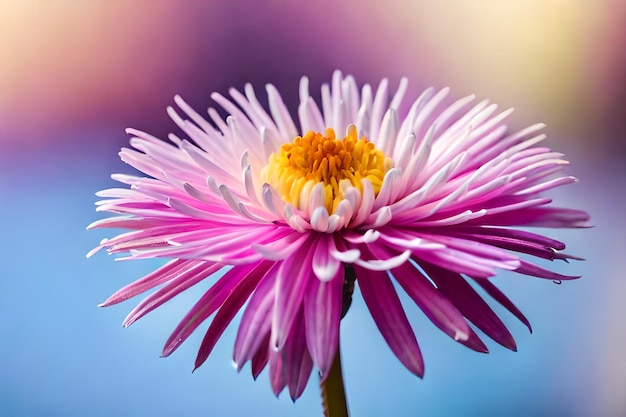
{"x": 360, "y": 190}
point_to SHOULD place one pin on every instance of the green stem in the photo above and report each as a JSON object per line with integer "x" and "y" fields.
{"x": 333, "y": 391}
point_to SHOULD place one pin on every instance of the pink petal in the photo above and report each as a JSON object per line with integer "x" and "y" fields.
{"x": 384, "y": 264}
{"x": 159, "y": 276}
{"x": 256, "y": 320}
{"x": 474, "y": 342}
{"x": 432, "y": 302}
{"x": 324, "y": 265}
{"x": 208, "y": 303}
{"x": 384, "y": 305}
{"x": 293, "y": 276}
{"x": 282, "y": 246}
{"x": 467, "y": 300}
{"x": 460, "y": 262}
{"x": 236, "y": 299}
{"x": 499, "y": 296}
{"x": 297, "y": 362}
{"x": 276, "y": 371}
{"x": 528, "y": 268}
{"x": 261, "y": 357}
{"x": 540, "y": 217}
{"x": 197, "y": 271}
{"x": 322, "y": 313}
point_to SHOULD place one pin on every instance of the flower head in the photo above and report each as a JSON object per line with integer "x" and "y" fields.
{"x": 426, "y": 197}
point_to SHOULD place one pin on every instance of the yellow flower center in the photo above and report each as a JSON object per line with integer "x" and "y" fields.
{"x": 317, "y": 158}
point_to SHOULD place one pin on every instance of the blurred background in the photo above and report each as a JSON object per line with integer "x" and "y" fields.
{"x": 74, "y": 74}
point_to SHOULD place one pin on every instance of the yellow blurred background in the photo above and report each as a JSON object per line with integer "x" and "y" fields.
{"x": 66, "y": 61}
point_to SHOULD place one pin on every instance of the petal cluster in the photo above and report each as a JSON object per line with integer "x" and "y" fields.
{"x": 457, "y": 185}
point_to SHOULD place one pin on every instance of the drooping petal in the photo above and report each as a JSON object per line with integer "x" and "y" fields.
{"x": 256, "y": 320}
{"x": 276, "y": 370}
{"x": 432, "y": 302}
{"x": 322, "y": 313}
{"x": 206, "y": 305}
{"x": 531, "y": 269}
{"x": 297, "y": 361}
{"x": 227, "y": 311}
{"x": 157, "y": 277}
{"x": 194, "y": 273}
{"x": 499, "y": 296}
{"x": 292, "y": 279}
{"x": 384, "y": 305}
{"x": 470, "y": 304}
{"x": 261, "y": 357}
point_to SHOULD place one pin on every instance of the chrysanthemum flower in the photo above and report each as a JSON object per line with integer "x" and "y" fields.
{"x": 362, "y": 188}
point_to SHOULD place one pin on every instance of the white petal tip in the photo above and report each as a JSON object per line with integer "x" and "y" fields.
{"x": 461, "y": 336}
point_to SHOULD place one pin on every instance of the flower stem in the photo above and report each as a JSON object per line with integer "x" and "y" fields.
{"x": 333, "y": 392}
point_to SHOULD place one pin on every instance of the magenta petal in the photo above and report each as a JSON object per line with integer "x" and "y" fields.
{"x": 303, "y": 377}
{"x": 433, "y": 303}
{"x": 157, "y": 277}
{"x": 261, "y": 357}
{"x": 474, "y": 342}
{"x": 538, "y": 217}
{"x": 528, "y": 268}
{"x": 515, "y": 240}
{"x": 212, "y": 299}
{"x": 322, "y": 313}
{"x": 324, "y": 265}
{"x": 277, "y": 375}
{"x": 499, "y": 296}
{"x": 256, "y": 320}
{"x": 467, "y": 300}
{"x": 196, "y": 272}
{"x": 238, "y": 296}
{"x": 512, "y": 234}
{"x": 293, "y": 276}
{"x": 384, "y": 305}
{"x": 297, "y": 362}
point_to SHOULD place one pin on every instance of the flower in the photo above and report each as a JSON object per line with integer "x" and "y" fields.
{"x": 367, "y": 188}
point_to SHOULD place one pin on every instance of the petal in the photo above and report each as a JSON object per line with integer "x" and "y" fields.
{"x": 499, "y": 296}
{"x": 528, "y": 268}
{"x": 256, "y": 320}
{"x": 227, "y": 311}
{"x": 540, "y": 217}
{"x": 297, "y": 363}
{"x": 206, "y": 305}
{"x": 261, "y": 357}
{"x": 384, "y": 264}
{"x": 322, "y": 313}
{"x": 282, "y": 247}
{"x": 384, "y": 305}
{"x": 514, "y": 240}
{"x": 293, "y": 276}
{"x": 276, "y": 371}
{"x": 163, "y": 274}
{"x": 467, "y": 300}
{"x": 432, "y": 302}
{"x": 197, "y": 272}
{"x": 367, "y": 202}
{"x": 325, "y": 266}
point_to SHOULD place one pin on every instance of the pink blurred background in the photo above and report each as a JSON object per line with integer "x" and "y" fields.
{"x": 74, "y": 74}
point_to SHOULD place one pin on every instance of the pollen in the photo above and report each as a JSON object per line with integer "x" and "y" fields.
{"x": 323, "y": 158}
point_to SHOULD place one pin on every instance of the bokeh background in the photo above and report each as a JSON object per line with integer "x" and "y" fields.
{"x": 74, "y": 74}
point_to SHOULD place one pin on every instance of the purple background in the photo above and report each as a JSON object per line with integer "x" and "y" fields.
{"x": 73, "y": 75}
